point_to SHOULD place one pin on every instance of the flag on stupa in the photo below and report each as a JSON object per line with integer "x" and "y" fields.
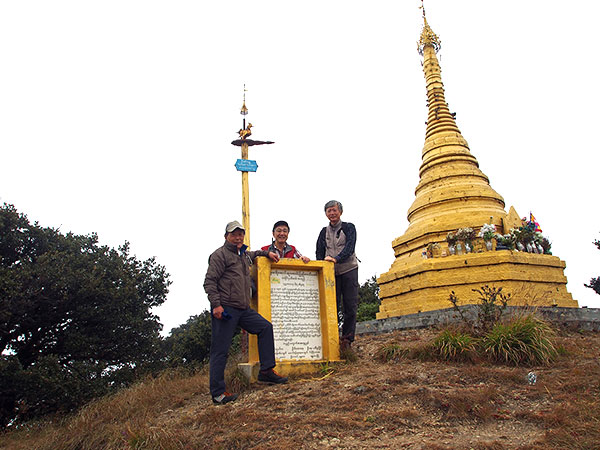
{"x": 534, "y": 222}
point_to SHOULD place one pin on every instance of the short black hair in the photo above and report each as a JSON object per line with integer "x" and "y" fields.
{"x": 280, "y": 223}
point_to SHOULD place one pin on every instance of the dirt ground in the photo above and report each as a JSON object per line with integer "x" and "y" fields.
{"x": 412, "y": 404}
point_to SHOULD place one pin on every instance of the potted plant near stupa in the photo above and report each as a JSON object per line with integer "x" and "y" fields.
{"x": 488, "y": 232}
{"x": 465, "y": 236}
{"x": 451, "y": 239}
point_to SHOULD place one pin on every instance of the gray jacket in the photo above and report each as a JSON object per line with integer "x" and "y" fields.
{"x": 339, "y": 243}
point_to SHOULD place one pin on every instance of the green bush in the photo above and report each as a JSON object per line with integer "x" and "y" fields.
{"x": 524, "y": 340}
{"x": 595, "y": 282}
{"x": 368, "y": 300}
{"x": 390, "y": 352}
{"x": 491, "y": 306}
{"x": 366, "y": 311}
{"x": 188, "y": 345}
{"x": 454, "y": 345}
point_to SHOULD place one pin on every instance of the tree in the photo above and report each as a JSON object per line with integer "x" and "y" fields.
{"x": 595, "y": 282}
{"x": 368, "y": 300}
{"x": 189, "y": 344}
{"x": 75, "y": 317}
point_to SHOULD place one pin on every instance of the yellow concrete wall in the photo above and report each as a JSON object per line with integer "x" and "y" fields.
{"x": 328, "y": 309}
{"x": 531, "y": 279}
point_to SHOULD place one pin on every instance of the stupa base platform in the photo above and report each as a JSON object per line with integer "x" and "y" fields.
{"x": 531, "y": 279}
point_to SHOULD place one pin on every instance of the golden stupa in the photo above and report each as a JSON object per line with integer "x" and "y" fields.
{"x": 454, "y": 193}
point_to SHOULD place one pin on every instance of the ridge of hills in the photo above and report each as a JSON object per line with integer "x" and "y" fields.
{"x": 353, "y": 405}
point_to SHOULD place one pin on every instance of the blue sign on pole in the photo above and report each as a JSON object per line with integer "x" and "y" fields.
{"x": 246, "y": 165}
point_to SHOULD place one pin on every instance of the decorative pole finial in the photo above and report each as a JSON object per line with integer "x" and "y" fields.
{"x": 246, "y": 165}
{"x": 245, "y": 132}
{"x": 244, "y": 110}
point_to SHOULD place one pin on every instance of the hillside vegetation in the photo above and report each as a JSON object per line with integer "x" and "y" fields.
{"x": 403, "y": 403}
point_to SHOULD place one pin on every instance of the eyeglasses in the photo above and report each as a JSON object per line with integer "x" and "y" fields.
{"x": 281, "y": 230}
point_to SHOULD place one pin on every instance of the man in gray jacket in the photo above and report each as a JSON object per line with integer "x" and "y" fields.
{"x": 228, "y": 286}
{"x": 336, "y": 243}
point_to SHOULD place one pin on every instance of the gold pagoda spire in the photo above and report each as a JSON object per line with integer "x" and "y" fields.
{"x": 449, "y": 173}
{"x": 452, "y": 194}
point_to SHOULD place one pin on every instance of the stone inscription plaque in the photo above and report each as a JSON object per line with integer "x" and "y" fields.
{"x": 295, "y": 314}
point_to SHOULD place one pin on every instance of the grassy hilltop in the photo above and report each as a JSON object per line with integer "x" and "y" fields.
{"x": 368, "y": 403}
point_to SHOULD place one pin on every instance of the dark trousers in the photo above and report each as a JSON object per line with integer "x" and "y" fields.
{"x": 346, "y": 292}
{"x": 222, "y": 333}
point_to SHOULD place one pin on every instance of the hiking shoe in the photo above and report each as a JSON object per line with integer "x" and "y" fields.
{"x": 345, "y": 344}
{"x": 271, "y": 377}
{"x": 225, "y": 397}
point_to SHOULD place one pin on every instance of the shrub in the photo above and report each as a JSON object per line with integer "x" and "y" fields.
{"x": 390, "y": 352}
{"x": 595, "y": 282}
{"x": 366, "y": 311}
{"x": 368, "y": 300}
{"x": 491, "y": 306}
{"x": 524, "y": 340}
{"x": 454, "y": 345}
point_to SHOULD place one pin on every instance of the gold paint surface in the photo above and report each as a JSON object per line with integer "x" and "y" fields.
{"x": 245, "y": 198}
{"x": 454, "y": 193}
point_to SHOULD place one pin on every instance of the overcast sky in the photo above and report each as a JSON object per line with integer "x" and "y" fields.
{"x": 116, "y": 117}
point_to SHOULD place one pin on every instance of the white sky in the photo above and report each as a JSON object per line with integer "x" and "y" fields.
{"x": 116, "y": 117}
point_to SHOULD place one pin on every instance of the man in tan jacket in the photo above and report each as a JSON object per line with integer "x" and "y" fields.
{"x": 228, "y": 286}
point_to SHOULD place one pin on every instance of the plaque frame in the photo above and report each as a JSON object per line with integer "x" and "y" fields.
{"x": 328, "y": 315}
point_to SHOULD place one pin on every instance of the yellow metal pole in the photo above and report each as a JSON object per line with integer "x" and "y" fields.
{"x": 245, "y": 198}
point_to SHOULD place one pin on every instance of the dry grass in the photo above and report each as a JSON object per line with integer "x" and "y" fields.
{"x": 402, "y": 403}
{"x": 120, "y": 420}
